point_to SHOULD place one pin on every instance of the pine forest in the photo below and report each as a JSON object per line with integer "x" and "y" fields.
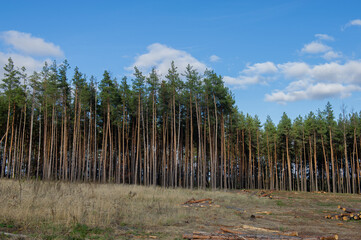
{"x": 178, "y": 130}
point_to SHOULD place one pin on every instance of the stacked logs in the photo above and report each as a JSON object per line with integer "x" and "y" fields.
{"x": 348, "y": 214}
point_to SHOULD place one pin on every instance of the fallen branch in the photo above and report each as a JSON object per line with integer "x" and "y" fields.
{"x": 192, "y": 201}
{"x": 16, "y": 236}
{"x": 248, "y": 227}
{"x": 230, "y": 231}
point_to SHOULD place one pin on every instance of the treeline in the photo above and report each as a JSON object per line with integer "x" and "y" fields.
{"x": 180, "y": 130}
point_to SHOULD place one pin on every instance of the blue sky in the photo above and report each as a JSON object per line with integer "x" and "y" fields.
{"x": 276, "y": 56}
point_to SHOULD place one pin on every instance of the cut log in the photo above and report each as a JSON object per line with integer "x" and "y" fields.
{"x": 264, "y": 212}
{"x": 335, "y": 237}
{"x": 14, "y": 236}
{"x": 350, "y": 210}
{"x": 230, "y": 231}
{"x": 198, "y": 201}
{"x": 258, "y": 229}
{"x": 292, "y": 234}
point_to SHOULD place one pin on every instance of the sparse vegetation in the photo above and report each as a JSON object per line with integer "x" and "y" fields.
{"x": 61, "y": 210}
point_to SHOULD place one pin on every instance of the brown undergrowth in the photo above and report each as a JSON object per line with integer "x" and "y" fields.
{"x": 60, "y": 210}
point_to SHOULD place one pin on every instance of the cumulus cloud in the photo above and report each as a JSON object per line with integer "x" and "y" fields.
{"x": 242, "y": 81}
{"x": 317, "y": 82}
{"x": 253, "y": 74}
{"x": 324, "y": 37}
{"x": 355, "y": 22}
{"x": 294, "y": 69}
{"x": 28, "y": 62}
{"x": 160, "y": 56}
{"x": 28, "y": 44}
{"x": 332, "y": 55}
{"x": 315, "y": 47}
{"x": 260, "y": 68}
{"x": 349, "y": 72}
{"x": 214, "y": 58}
{"x": 306, "y": 82}
{"x": 312, "y": 92}
{"x": 27, "y": 51}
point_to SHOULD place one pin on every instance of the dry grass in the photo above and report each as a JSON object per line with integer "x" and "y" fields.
{"x": 58, "y": 210}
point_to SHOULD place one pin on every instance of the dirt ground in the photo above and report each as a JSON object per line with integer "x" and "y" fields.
{"x": 56, "y": 210}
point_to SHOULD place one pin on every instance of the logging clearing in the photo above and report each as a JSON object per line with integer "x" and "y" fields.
{"x": 65, "y": 210}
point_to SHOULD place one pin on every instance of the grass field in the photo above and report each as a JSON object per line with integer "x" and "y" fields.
{"x": 58, "y": 210}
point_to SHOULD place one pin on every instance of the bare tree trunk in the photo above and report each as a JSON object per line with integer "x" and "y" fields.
{"x": 276, "y": 165}
{"x": 22, "y": 157}
{"x": 347, "y": 168}
{"x": 39, "y": 144}
{"x": 11, "y": 142}
{"x": 123, "y": 156}
{"x": 31, "y": 134}
{"x": 191, "y": 140}
{"x": 332, "y": 164}
{"x": 312, "y": 186}
{"x": 288, "y": 166}
{"x": 315, "y": 159}
{"x": 250, "y": 170}
{"x": 6, "y": 141}
{"x": 137, "y": 159}
{"x": 215, "y": 142}
{"x": 259, "y": 162}
{"x": 327, "y": 167}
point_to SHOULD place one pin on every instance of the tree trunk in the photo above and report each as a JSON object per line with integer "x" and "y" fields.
{"x": 6, "y": 141}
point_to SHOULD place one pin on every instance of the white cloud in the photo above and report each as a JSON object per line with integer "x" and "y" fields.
{"x": 160, "y": 56}
{"x": 312, "y": 92}
{"x": 349, "y": 72}
{"x": 27, "y": 51}
{"x": 28, "y": 62}
{"x": 324, "y": 37}
{"x": 242, "y": 81}
{"x": 332, "y": 55}
{"x": 214, "y": 58}
{"x": 315, "y": 47}
{"x": 253, "y": 74}
{"x": 261, "y": 68}
{"x": 355, "y": 22}
{"x": 317, "y": 82}
{"x": 294, "y": 69}
{"x": 306, "y": 82}
{"x": 30, "y": 45}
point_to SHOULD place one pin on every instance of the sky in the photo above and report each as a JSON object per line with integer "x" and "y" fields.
{"x": 275, "y": 56}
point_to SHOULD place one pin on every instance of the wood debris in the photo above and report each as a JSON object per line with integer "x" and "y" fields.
{"x": 265, "y": 194}
{"x": 348, "y": 214}
{"x": 226, "y": 233}
{"x": 264, "y": 212}
{"x": 207, "y": 202}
